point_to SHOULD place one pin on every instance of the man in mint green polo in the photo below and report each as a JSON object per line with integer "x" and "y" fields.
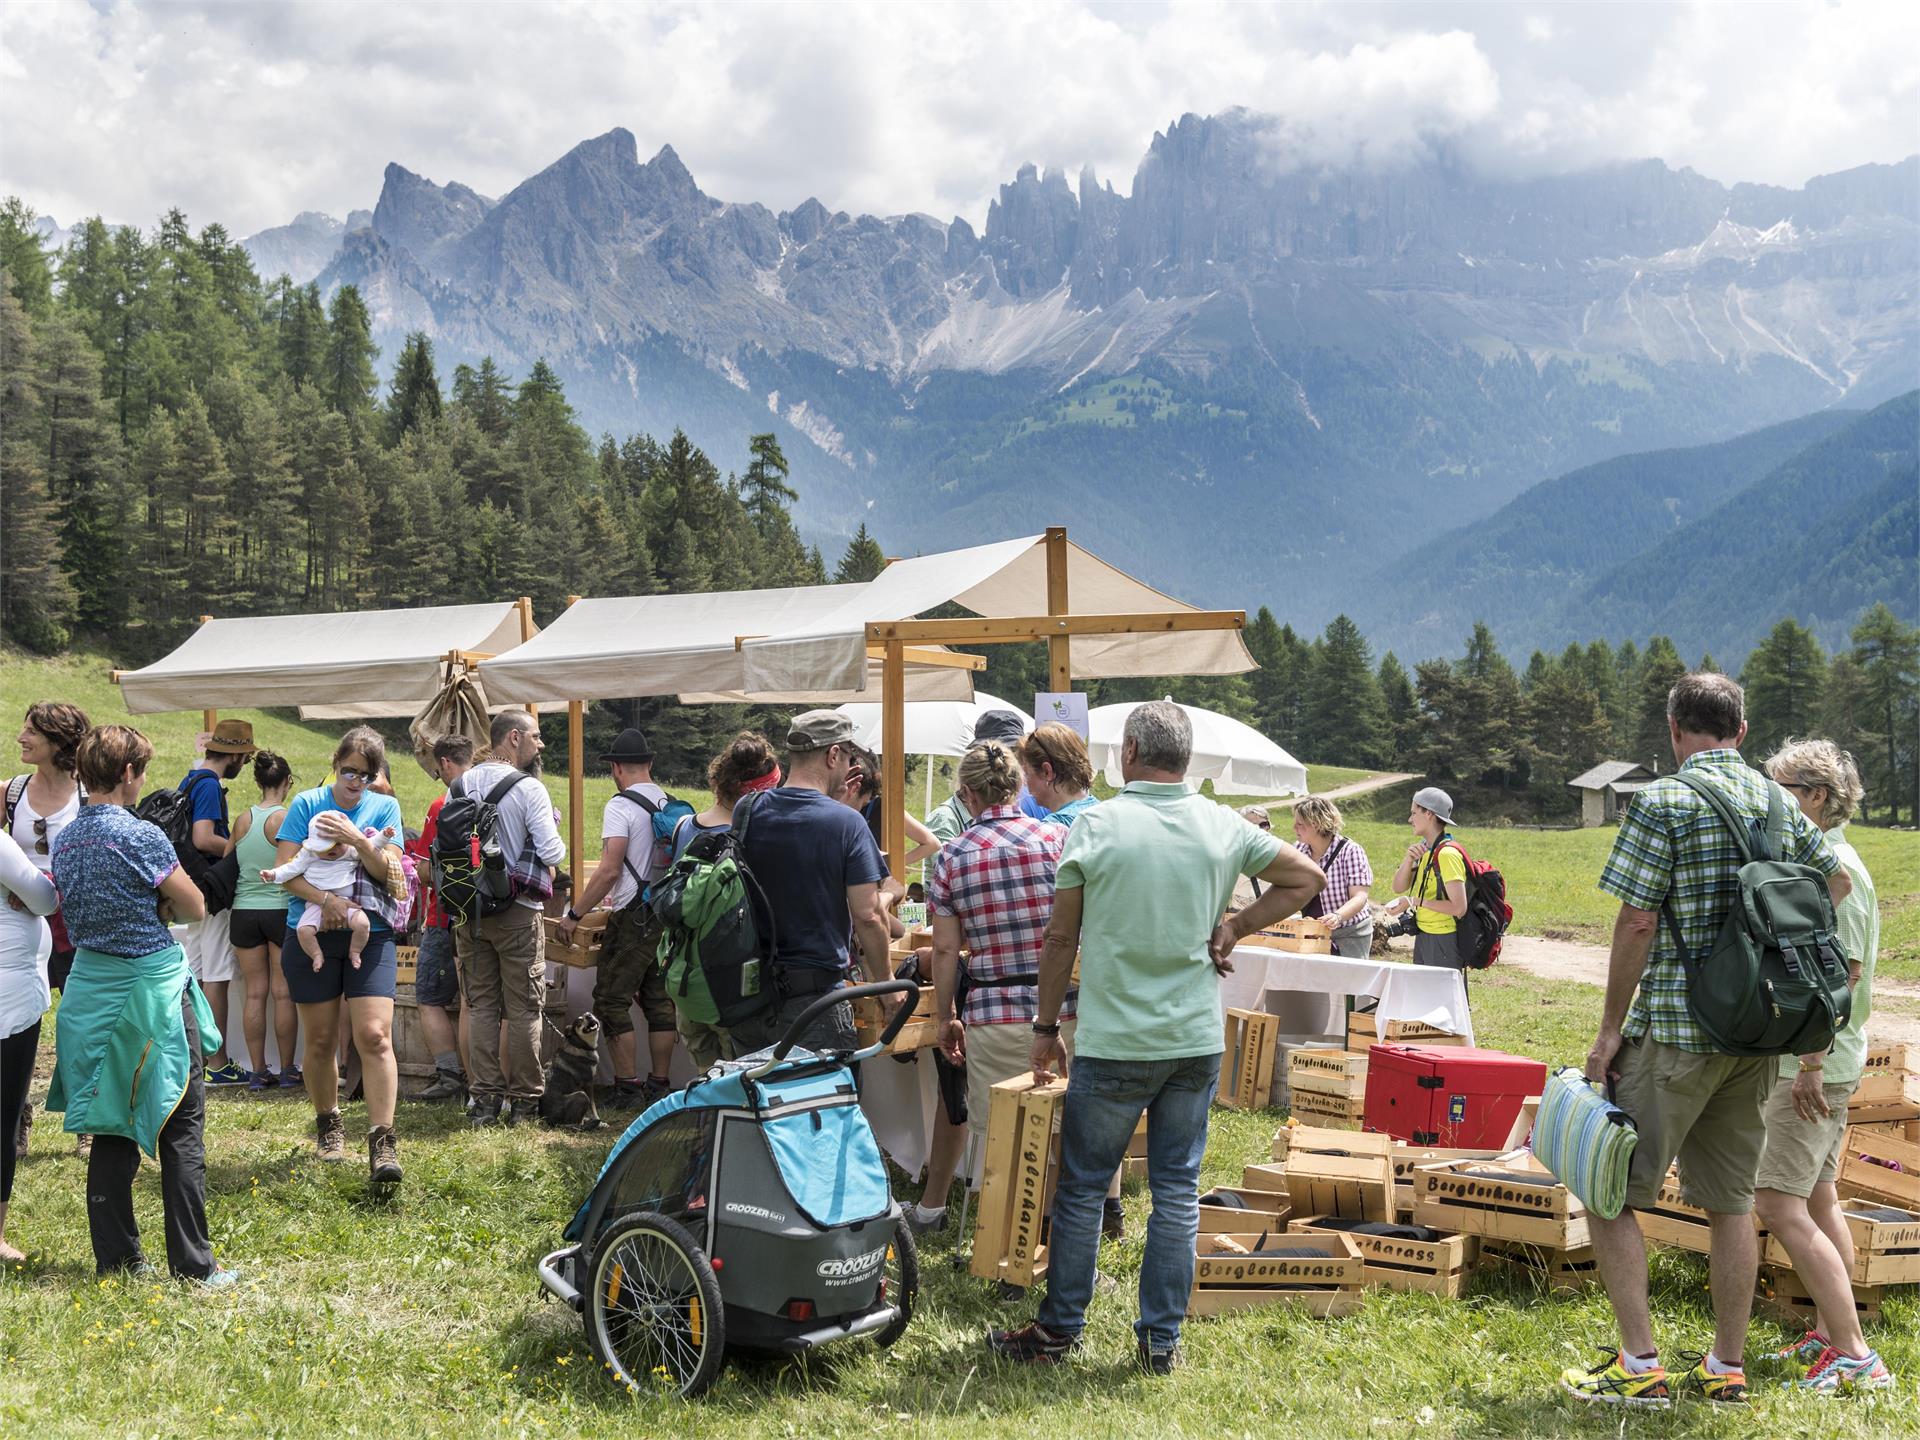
{"x": 1140, "y": 891}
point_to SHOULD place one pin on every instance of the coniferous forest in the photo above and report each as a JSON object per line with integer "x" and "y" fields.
{"x": 180, "y": 437}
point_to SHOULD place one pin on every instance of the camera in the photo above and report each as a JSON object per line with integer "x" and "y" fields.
{"x": 1406, "y": 923}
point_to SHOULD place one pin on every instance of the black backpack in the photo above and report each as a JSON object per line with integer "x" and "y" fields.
{"x": 469, "y": 868}
{"x": 171, "y": 811}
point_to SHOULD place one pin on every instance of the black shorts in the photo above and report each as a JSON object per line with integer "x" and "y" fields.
{"x": 335, "y": 977}
{"x": 251, "y": 928}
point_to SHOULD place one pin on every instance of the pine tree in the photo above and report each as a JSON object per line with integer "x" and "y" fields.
{"x": 1345, "y": 713}
{"x": 1784, "y": 679}
{"x": 347, "y": 378}
{"x": 1489, "y": 728}
{"x": 864, "y": 559}
{"x": 36, "y": 597}
{"x": 414, "y": 399}
{"x": 1887, "y": 654}
{"x": 1567, "y": 733}
{"x": 766, "y": 491}
{"x": 1402, "y": 709}
{"x": 1652, "y": 740}
{"x": 484, "y": 396}
{"x": 23, "y": 258}
{"x": 85, "y": 473}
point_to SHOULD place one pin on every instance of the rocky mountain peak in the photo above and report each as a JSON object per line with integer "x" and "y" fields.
{"x": 426, "y": 219}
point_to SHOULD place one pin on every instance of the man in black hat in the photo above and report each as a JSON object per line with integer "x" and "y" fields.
{"x": 632, "y": 937}
{"x": 224, "y": 752}
{"x": 817, "y": 864}
{"x": 948, "y": 820}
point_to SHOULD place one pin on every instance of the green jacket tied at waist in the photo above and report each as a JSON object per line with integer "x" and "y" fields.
{"x": 121, "y": 1063}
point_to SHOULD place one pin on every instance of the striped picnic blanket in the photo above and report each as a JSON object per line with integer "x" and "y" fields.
{"x": 1586, "y": 1140}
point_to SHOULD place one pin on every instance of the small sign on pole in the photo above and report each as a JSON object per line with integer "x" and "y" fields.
{"x": 1061, "y": 707}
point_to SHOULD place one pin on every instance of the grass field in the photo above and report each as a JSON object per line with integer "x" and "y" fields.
{"x": 422, "y": 1317}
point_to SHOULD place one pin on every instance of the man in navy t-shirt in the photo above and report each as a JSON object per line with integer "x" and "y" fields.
{"x": 209, "y": 942}
{"x": 821, "y": 873}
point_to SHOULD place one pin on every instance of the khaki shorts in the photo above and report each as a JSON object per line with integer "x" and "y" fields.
{"x": 1801, "y": 1155}
{"x": 209, "y": 947}
{"x": 996, "y": 1053}
{"x": 1706, "y": 1110}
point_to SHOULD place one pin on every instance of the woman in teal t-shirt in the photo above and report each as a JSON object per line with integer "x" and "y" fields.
{"x": 260, "y": 928}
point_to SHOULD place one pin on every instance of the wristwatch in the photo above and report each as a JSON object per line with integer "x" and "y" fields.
{"x": 572, "y": 914}
{"x": 1039, "y": 1028}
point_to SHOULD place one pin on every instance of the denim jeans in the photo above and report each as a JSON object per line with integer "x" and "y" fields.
{"x": 1104, "y": 1101}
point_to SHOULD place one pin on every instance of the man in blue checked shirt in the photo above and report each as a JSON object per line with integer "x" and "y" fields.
{"x": 1686, "y": 1099}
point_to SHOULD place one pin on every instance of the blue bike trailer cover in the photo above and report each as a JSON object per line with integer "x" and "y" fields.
{"x": 727, "y": 1091}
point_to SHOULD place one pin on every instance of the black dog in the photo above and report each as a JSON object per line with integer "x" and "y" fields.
{"x": 568, "y": 1100}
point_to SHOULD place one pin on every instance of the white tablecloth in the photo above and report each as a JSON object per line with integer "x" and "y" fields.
{"x": 1279, "y": 980}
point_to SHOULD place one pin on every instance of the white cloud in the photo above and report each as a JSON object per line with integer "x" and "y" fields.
{"x": 249, "y": 113}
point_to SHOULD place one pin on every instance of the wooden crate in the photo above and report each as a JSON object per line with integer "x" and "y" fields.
{"x": 1246, "y": 1064}
{"x": 584, "y": 951}
{"x": 1863, "y": 1174}
{"x": 1266, "y": 1210}
{"x": 1016, "y": 1186}
{"x": 1331, "y": 1172}
{"x": 1302, "y": 935}
{"x": 1329, "y": 1072}
{"x": 1782, "y": 1295}
{"x": 1365, "y": 1028}
{"x": 1329, "y": 1112}
{"x": 406, "y": 964}
{"x": 1514, "y": 1198}
{"x": 1907, "y": 1130}
{"x": 1320, "y": 1273}
{"x": 870, "y": 1017}
{"x": 1893, "y": 1057}
{"x": 1885, "y": 1252}
{"x": 1883, "y": 1095}
{"x": 1560, "y": 1272}
{"x": 1133, "y": 1169}
{"x": 1408, "y": 1158}
{"x": 1439, "y": 1267}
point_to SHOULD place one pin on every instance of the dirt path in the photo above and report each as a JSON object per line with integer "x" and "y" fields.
{"x": 1341, "y": 792}
{"x": 1896, "y": 1003}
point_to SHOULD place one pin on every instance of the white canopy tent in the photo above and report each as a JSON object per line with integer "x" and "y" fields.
{"x": 350, "y": 665}
{"x": 934, "y": 727}
{"x": 1236, "y": 757}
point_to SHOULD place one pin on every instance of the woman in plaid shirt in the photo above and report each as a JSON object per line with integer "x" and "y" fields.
{"x": 990, "y": 892}
{"x": 1343, "y": 905}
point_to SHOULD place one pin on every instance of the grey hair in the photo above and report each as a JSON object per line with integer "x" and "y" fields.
{"x": 1823, "y": 764}
{"x": 1162, "y": 736}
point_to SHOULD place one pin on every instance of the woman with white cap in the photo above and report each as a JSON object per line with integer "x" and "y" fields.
{"x": 1434, "y": 870}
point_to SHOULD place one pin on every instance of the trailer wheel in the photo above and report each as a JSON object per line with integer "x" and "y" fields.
{"x": 900, "y": 1282}
{"x": 654, "y": 1315}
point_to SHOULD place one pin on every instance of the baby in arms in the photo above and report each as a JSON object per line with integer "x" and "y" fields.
{"x": 328, "y": 865}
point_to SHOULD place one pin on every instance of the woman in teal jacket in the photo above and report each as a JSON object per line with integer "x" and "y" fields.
{"x": 134, "y": 1028}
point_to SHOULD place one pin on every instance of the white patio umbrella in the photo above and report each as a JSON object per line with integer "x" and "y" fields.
{"x": 934, "y": 727}
{"x": 1236, "y": 757}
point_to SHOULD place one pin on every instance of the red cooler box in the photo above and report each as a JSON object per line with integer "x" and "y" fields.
{"x": 1451, "y": 1097}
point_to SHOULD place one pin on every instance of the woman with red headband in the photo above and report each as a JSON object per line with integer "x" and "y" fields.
{"x": 747, "y": 764}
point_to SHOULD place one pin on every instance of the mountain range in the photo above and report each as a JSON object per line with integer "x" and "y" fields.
{"x": 1242, "y": 379}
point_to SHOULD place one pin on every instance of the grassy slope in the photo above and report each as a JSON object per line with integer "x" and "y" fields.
{"x": 422, "y": 1317}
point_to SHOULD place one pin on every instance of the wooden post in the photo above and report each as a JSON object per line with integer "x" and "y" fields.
{"x": 893, "y": 757}
{"x": 525, "y": 606}
{"x": 1059, "y": 647}
{"x": 576, "y": 784}
{"x": 211, "y": 717}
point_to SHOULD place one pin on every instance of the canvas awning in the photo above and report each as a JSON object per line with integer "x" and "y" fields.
{"x": 684, "y": 645}
{"x": 809, "y": 644}
{"x": 344, "y": 665}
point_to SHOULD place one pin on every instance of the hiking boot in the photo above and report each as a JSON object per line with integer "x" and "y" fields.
{"x": 447, "y": 1085}
{"x": 1113, "y": 1220}
{"x": 227, "y": 1074}
{"x": 1032, "y": 1344}
{"x": 331, "y": 1136}
{"x": 22, "y": 1135}
{"x": 1833, "y": 1372}
{"x": 383, "y": 1156}
{"x": 653, "y": 1090}
{"x": 484, "y": 1110}
{"x": 512, "y": 1112}
{"x": 1611, "y": 1383}
{"x": 628, "y": 1095}
{"x": 1157, "y": 1362}
{"x": 1727, "y": 1389}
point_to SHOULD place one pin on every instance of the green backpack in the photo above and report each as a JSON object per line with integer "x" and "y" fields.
{"x": 1774, "y": 981}
{"x": 718, "y": 970}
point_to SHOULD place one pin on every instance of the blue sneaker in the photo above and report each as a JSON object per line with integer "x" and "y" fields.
{"x": 1834, "y": 1372}
{"x": 260, "y": 1080}
{"x": 227, "y": 1074}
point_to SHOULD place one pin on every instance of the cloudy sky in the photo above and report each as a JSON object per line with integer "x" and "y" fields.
{"x": 247, "y": 113}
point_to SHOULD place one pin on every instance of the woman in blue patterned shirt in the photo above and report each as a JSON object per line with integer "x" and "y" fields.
{"x": 120, "y": 885}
